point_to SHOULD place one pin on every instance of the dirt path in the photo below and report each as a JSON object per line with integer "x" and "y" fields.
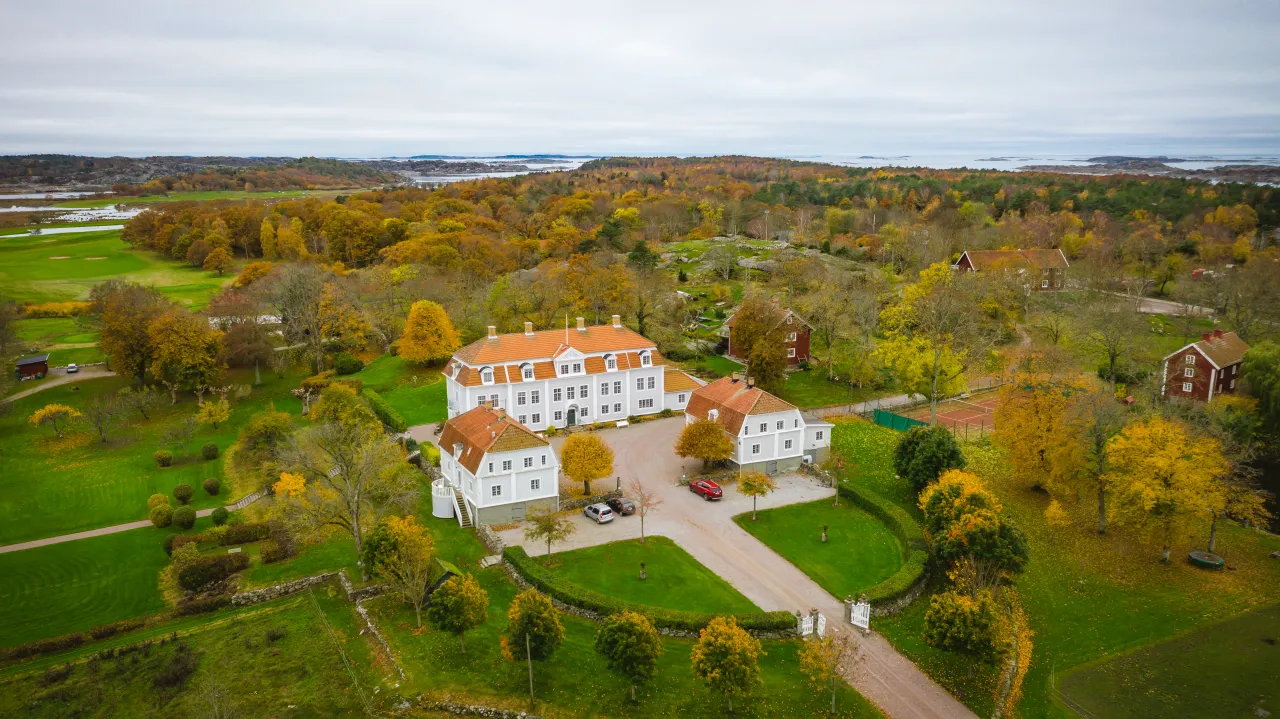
{"x": 706, "y": 531}
{"x": 59, "y": 376}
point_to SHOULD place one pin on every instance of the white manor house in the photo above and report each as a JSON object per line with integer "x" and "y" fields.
{"x": 561, "y": 378}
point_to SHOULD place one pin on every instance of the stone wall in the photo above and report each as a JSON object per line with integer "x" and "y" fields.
{"x": 275, "y": 591}
{"x": 580, "y": 502}
{"x": 474, "y": 710}
{"x": 490, "y": 539}
{"x": 884, "y": 609}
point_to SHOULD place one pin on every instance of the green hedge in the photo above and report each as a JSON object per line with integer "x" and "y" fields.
{"x": 389, "y": 416}
{"x": 583, "y": 598}
{"x": 908, "y": 532}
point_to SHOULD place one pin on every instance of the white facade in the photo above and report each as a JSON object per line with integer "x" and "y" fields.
{"x": 516, "y": 477}
{"x": 770, "y": 437}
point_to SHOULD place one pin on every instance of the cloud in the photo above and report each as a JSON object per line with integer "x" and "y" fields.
{"x": 379, "y": 78}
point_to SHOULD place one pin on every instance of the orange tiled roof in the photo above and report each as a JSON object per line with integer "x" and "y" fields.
{"x": 735, "y": 401}
{"x": 512, "y": 374}
{"x": 483, "y": 429}
{"x": 673, "y": 380}
{"x": 546, "y": 344}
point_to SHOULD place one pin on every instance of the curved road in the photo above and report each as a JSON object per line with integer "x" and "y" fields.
{"x": 59, "y": 376}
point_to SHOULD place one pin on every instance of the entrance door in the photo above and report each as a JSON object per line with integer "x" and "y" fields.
{"x": 573, "y": 417}
{"x": 771, "y": 467}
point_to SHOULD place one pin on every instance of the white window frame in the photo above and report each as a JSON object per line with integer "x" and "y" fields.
{"x": 577, "y": 368}
{"x": 617, "y": 407}
{"x": 652, "y": 382}
{"x": 557, "y": 395}
{"x": 544, "y": 459}
{"x": 617, "y": 387}
{"x": 495, "y": 400}
{"x": 527, "y": 372}
{"x": 535, "y": 484}
{"x": 779, "y": 425}
{"x": 819, "y": 435}
{"x": 564, "y": 369}
{"x": 480, "y": 400}
{"x": 639, "y": 383}
{"x": 535, "y": 397}
{"x": 1191, "y": 359}
{"x": 486, "y": 375}
{"x": 1186, "y": 386}
{"x": 610, "y": 363}
{"x": 523, "y": 419}
{"x": 1189, "y": 372}
{"x": 604, "y": 409}
{"x": 646, "y": 404}
{"x": 520, "y": 398}
{"x": 791, "y": 337}
{"x": 764, "y": 427}
{"x": 558, "y": 415}
{"x": 791, "y": 352}
{"x": 569, "y": 392}
{"x": 537, "y": 418}
{"x": 506, "y": 465}
{"x": 1044, "y": 284}
{"x": 584, "y": 391}
{"x": 495, "y": 490}
{"x": 604, "y": 389}
{"x": 645, "y": 360}
{"x": 755, "y": 449}
{"x": 528, "y": 462}
{"x": 680, "y": 397}
{"x": 786, "y": 444}
{"x": 491, "y": 468}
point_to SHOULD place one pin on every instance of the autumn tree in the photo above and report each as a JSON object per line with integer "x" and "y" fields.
{"x": 827, "y": 311}
{"x": 141, "y": 400}
{"x": 704, "y": 439}
{"x": 824, "y": 660}
{"x": 267, "y": 239}
{"x": 56, "y": 416}
{"x": 630, "y": 647}
{"x": 458, "y": 606}
{"x": 1261, "y": 369}
{"x": 1028, "y": 423}
{"x": 429, "y": 335}
{"x": 399, "y": 552}
{"x": 759, "y": 337}
{"x": 125, "y": 311}
{"x": 550, "y": 526}
{"x": 585, "y": 457}
{"x": 247, "y": 337}
{"x": 186, "y": 351}
{"x": 930, "y": 335}
{"x": 219, "y": 261}
{"x": 646, "y": 501}
{"x": 1163, "y": 477}
{"x": 296, "y": 294}
{"x": 1079, "y": 460}
{"x": 534, "y": 624}
{"x": 966, "y": 625}
{"x": 344, "y": 477}
{"x": 103, "y": 412}
{"x": 214, "y": 412}
{"x": 924, "y": 453}
{"x": 755, "y": 485}
{"x": 727, "y": 659}
{"x": 339, "y": 404}
{"x": 1111, "y": 332}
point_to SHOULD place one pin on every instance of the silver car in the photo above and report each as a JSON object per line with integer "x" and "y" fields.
{"x": 599, "y": 512}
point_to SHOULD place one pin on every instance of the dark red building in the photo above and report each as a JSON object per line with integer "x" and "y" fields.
{"x": 795, "y": 335}
{"x": 34, "y": 366}
{"x": 1204, "y": 369}
{"x": 1043, "y": 269}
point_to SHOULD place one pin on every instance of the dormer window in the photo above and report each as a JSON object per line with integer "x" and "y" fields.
{"x": 486, "y": 375}
{"x": 564, "y": 369}
{"x": 577, "y": 368}
{"x": 713, "y": 415}
{"x": 645, "y": 359}
{"x": 610, "y": 363}
{"x": 526, "y": 372}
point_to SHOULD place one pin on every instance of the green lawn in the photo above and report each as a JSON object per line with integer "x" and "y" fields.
{"x": 1232, "y": 669}
{"x": 51, "y": 486}
{"x": 420, "y": 402}
{"x": 811, "y": 388}
{"x": 78, "y": 355}
{"x": 1087, "y": 597}
{"x": 300, "y": 673}
{"x": 64, "y": 267}
{"x": 338, "y": 552}
{"x": 675, "y": 579}
{"x": 574, "y": 682}
{"x": 187, "y": 197}
{"x": 715, "y": 364}
{"x": 860, "y": 551}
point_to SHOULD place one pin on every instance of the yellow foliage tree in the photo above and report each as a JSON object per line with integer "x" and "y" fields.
{"x": 1163, "y": 477}
{"x": 1029, "y": 423}
{"x": 727, "y": 658}
{"x": 267, "y": 238}
{"x": 755, "y": 485}
{"x": 429, "y": 335}
{"x": 252, "y": 272}
{"x": 55, "y": 415}
{"x": 823, "y": 659}
{"x": 704, "y": 439}
{"x": 404, "y": 561}
{"x": 214, "y": 412}
{"x": 186, "y": 351}
{"x": 218, "y": 261}
{"x": 585, "y": 457}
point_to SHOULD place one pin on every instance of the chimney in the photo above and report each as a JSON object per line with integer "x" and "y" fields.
{"x": 528, "y": 329}
{"x": 1217, "y": 334}
{"x": 457, "y": 450}
{"x": 751, "y": 381}
{"x": 582, "y": 325}
{"x": 1204, "y": 336}
{"x": 734, "y": 377}
{"x": 493, "y": 332}
{"x": 617, "y": 321}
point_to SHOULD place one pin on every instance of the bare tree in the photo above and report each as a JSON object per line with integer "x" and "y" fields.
{"x": 1111, "y": 331}
{"x": 296, "y": 292}
{"x": 646, "y": 501}
{"x": 721, "y": 260}
{"x": 103, "y": 412}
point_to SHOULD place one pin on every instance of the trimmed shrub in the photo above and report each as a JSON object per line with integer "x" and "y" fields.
{"x": 161, "y": 516}
{"x": 183, "y": 493}
{"x": 163, "y": 458}
{"x": 201, "y": 605}
{"x": 247, "y": 532}
{"x": 432, "y": 453}
{"x": 578, "y": 596}
{"x": 384, "y": 411}
{"x": 209, "y": 451}
{"x": 184, "y": 517}
{"x": 45, "y": 646}
{"x": 208, "y": 570}
{"x": 182, "y": 540}
{"x": 924, "y": 454}
{"x": 909, "y": 535}
{"x": 219, "y": 516}
{"x": 212, "y": 485}
{"x": 345, "y": 363}
{"x": 156, "y": 500}
{"x": 411, "y": 444}
{"x": 666, "y": 413}
{"x": 114, "y": 628}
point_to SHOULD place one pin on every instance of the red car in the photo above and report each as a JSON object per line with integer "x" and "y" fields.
{"x": 708, "y": 489}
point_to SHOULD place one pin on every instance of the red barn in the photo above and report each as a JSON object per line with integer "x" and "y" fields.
{"x": 1205, "y": 368}
{"x": 34, "y": 366}
{"x": 1049, "y": 267}
{"x": 795, "y": 339}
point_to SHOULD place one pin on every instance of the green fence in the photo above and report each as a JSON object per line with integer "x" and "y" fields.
{"x": 888, "y": 419}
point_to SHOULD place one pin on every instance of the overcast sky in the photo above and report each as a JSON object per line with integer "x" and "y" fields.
{"x": 685, "y": 77}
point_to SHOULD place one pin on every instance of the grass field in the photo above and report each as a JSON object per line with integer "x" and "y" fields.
{"x": 716, "y": 365}
{"x": 574, "y": 681}
{"x": 1087, "y": 597}
{"x": 860, "y": 551}
{"x": 423, "y": 402}
{"x": 1231, "y": 669}
{"x": 190, "y": 197}
{"x": 300, "y": 672}
{"x": 675, "y": 579}
{"x": 338, "y": 552}
{"x": 65, "y": 267}
{"x": 811, "y": 388}
{"x": 51, "y": 486}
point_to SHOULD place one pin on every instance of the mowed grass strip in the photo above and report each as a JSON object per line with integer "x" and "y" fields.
{"x": 420, "y": 402}
{"x": 51, "y": 486}
{"x": 574, "y": 682}
{"x": 675, "y": 579}
{"x": 860, "y": 551}
{"x": 29, "y": 271}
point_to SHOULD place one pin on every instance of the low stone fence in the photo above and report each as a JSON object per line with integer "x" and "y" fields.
{"x": 492, "y": 542}
{"x": 283, "y": 589}
{"x": 474, "y": 710}
{"x": 580, "y": 502}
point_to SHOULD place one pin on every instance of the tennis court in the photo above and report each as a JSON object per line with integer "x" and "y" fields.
{"x": 963, "y": 415}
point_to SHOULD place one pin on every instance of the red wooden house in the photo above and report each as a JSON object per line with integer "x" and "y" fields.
{"x": 795, "y": 338}
{"x": 1045, "y": 269}
{"x": 34, "y": 366}
{"x": 1205, "y": 368}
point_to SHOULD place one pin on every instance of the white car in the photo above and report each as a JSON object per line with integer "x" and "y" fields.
{"x": 72, "y": 369}
{"x": 599, "y": 512}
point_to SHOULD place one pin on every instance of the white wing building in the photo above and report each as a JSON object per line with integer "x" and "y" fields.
{"x": 769, "y": 435}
